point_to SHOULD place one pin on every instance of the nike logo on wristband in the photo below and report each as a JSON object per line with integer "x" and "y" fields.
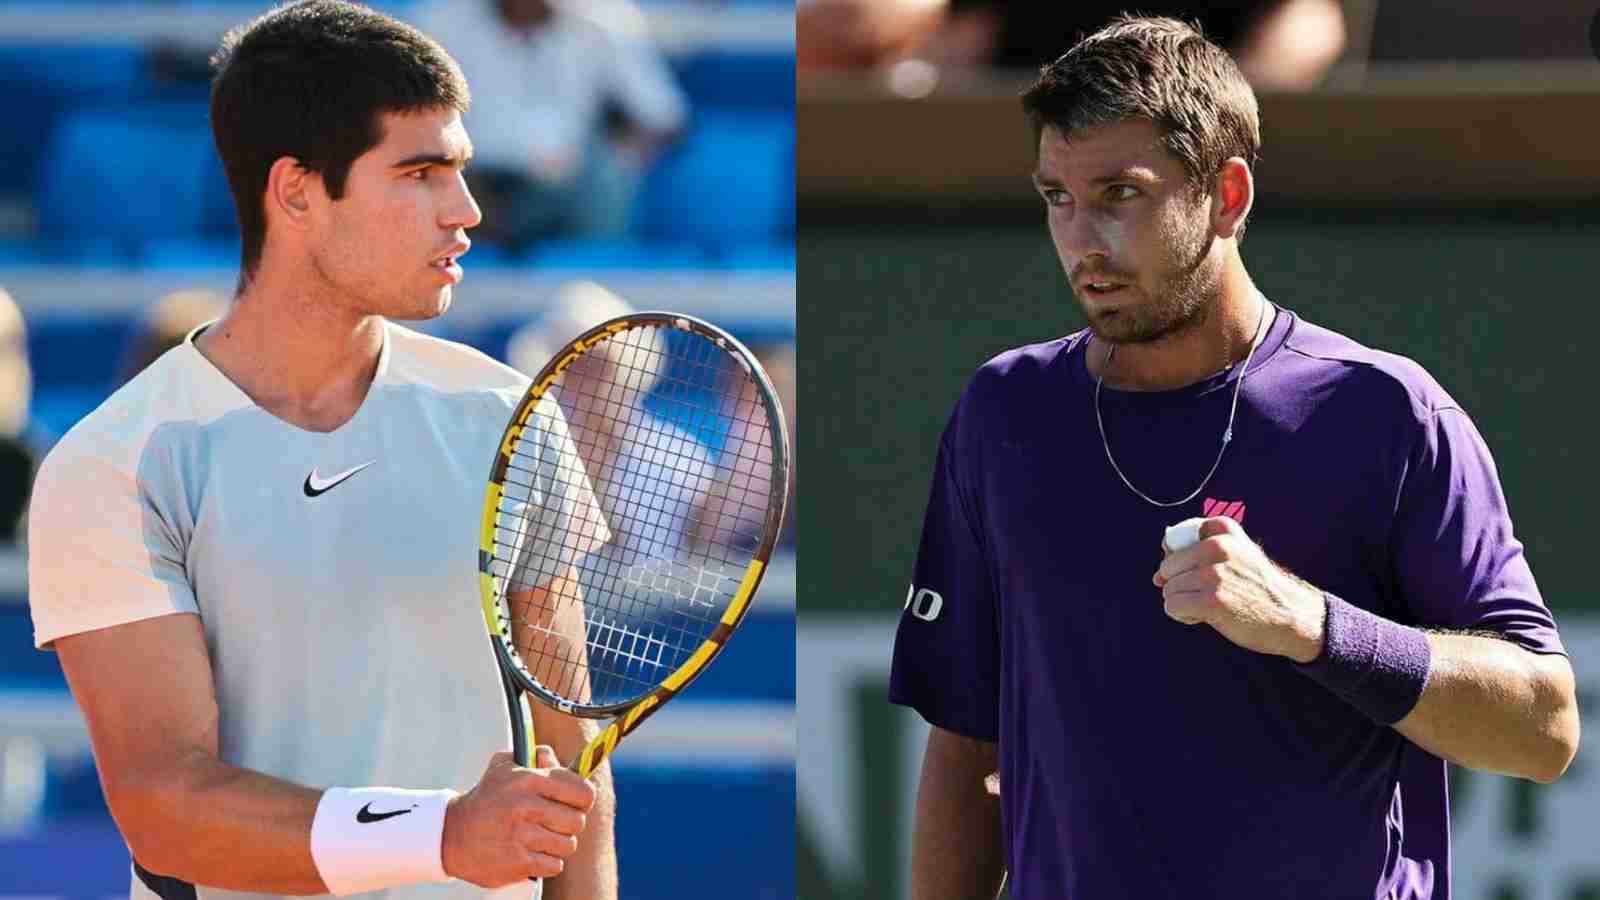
{"x": 365, "y": 814}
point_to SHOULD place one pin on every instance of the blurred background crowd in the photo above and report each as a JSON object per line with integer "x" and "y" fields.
{"x": 629, "y": 155}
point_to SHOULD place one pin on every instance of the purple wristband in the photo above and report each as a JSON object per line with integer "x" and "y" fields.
{"x": 1375, "y": 665}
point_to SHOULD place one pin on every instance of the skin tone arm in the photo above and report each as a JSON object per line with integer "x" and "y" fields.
{"x": 558, "y": 658}
{"x": 955, "y": 846}
{"x": 146, "y": 692}
{"x": 1488, "y": 704}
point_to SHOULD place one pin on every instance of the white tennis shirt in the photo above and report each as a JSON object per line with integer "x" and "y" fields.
{"x": 334, "y": 574}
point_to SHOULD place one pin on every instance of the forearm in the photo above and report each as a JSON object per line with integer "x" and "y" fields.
{"x": 206, "y": 822}
{"x": 956, "y": 849}
{"x": 1492, "y": 706}
{"x": 591, "y": 872}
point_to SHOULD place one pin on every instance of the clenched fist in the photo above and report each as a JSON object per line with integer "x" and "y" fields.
{"x": 1227, "y": 582}
{"x": 516, "y": 823}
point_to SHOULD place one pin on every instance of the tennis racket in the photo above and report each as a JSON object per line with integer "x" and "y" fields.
{"x": 631, "y": 510}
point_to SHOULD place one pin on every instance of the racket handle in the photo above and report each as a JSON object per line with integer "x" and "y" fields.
{"x": 521, "y": 740}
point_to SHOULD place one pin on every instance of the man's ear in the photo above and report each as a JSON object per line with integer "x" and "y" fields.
{"x": 1233, "y": 194}
{"x": 291, "y": 193}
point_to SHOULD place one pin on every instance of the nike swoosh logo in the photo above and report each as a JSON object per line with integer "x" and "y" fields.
{"x": 365, "y": 813}
{"x": 316, "y": 486}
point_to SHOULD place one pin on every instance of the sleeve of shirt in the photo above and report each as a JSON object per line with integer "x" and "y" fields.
{"x": 946, "y": 653}
{"x": 565, "y": 521}
{"x": 1457, "y": 562}
{"x": 100, "y": 553}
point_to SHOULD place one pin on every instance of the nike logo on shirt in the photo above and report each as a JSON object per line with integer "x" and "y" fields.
{"x": 316, "y": 486}
{"x": 365, "y": 813}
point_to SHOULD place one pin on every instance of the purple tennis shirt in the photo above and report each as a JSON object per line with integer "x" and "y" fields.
{"x": 1144, "y": 758}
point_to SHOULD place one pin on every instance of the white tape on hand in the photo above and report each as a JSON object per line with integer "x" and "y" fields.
{"x": 1181, "y": 536}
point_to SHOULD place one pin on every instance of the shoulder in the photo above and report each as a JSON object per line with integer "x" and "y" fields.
{"x": 1020, "y": 374}
{"x": 171, "y": 392}
{"x": 1010, "y": 387}
{"x": 449, "y": 367}
{"x": 1387, "y": 381}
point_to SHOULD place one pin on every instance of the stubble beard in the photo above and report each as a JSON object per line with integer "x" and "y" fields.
{"x": 1182, "y": 299}
{"x": 367, "y": 297}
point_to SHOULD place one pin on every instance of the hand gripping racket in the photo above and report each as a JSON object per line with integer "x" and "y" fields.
{"x": 632, "y": 508}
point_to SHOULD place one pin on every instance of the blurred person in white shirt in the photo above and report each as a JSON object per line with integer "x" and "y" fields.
{"x": 571, "y": 103}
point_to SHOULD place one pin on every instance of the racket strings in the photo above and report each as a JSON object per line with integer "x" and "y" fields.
{"x": 664, "y": 503}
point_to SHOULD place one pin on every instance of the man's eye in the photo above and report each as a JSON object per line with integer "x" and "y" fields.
{"x": 1124, "y": 192}
{"x": 419, "y": 174}
{"x": 1054, "y": 196}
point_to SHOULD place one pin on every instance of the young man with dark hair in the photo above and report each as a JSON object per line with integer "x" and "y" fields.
{"x": 254, "y": 559}
{"x": 1378, "y": 617}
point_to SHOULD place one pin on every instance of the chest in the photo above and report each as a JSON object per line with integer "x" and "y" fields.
{"x": 377, "y": 522}
{"x": 1071, "y": 542}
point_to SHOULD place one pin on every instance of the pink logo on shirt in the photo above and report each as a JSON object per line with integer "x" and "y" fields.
{"x": 1228, "y": 509}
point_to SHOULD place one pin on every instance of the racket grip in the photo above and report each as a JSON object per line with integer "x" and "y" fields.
{"x": 520, "y": 739}
{"x": 521, "y": 743}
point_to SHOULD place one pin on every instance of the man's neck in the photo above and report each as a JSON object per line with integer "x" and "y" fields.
{"x": 1239, "y": 318}
{"x": 299, "y": 356}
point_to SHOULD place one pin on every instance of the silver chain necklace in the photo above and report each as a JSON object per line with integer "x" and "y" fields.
{"x": 1227, "y": 433}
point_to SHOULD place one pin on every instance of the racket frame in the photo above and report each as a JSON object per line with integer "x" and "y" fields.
{"x": 514, "y": 675}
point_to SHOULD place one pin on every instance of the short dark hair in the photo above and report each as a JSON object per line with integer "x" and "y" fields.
{"x": 311, "y": 80}
{"x": 1158, "y": 69}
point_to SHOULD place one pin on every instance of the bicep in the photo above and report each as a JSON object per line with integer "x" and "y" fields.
{"x": 956, "y": 845}
{"x": 147, "y": 695}
{"x": 958, "y": 760}
{"x": 1458, "y": 562}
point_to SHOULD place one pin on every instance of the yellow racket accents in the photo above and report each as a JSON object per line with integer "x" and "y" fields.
{"x": 606, "y": 742}
{"x": 661, "y": 603}
{"x": 747, "y": 589}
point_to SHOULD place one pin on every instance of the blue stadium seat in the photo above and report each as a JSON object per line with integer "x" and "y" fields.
{"x": 190, "y": 253}
{"x": 76, "y": 351}
{"x": 744, "y": 163}
{"x": 485, "y": 255}
{"x": 759, "y": 804}
{"x": 68, "y": 251}
{"x": 759, "y": 257}
{"x": 723, "y": 79}
{"x": 613, "y": 255}
{"x": 20, "y": 665}
{"x": 131, "y": 175}
{"x": 41, "y": 82}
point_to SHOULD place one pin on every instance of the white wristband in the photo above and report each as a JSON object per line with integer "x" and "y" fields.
{"x": 366, "y": 839}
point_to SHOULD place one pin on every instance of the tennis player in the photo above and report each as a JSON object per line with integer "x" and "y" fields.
{"x": 256, "y": 559}
{"x": 1267, "y": 712}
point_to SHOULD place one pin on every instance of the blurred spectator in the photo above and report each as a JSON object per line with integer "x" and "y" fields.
{"x": 849, "y": 34}
{"x": 1279, "y": 44}
{"x": 17, "y": 458}
{"x": 607, "y": 412}
{"x": 570, "y": 104}
{"x": 164, "y": 326}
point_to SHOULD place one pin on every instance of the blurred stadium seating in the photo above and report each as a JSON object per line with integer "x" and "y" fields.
{"x": 111, "y": 196}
